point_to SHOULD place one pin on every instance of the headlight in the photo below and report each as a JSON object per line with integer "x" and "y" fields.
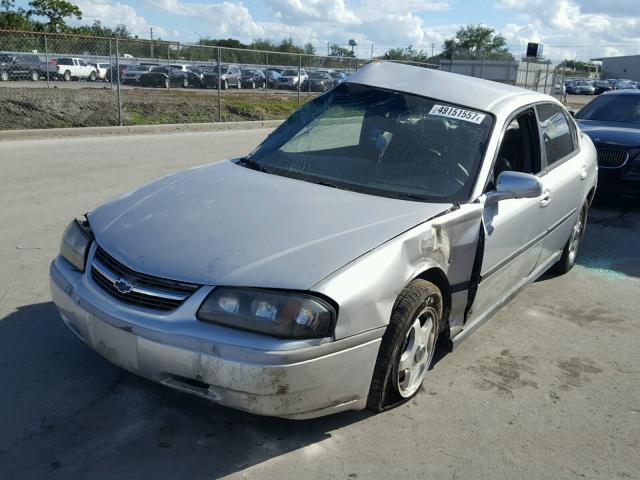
{"x": 272, "y": 312}
{"x": 75, "y": 243}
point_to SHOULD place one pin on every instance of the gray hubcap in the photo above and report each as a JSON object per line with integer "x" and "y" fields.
{"x": 417, "y": 352}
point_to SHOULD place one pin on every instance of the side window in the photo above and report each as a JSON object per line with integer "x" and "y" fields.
{"x": 557, "y": 136}
{"x": 519, "y": 148}
{"x": 82, "y": 63}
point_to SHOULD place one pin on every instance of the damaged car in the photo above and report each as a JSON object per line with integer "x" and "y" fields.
{"x": 317, "y": 273}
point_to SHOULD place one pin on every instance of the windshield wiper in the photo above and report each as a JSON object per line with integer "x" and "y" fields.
{"x": 253, "y": 165}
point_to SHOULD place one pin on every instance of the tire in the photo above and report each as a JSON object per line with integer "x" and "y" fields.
{"x": 571, "y": 248}
{"x": 67, "y": 76}
{"x": 167, "y": 83}
{"x": 253, "y": 85}
{"x": 4, "y": 76}
{"x": 92, "y": 77}
{"x": 225, "y": 85}
{"x": 185, "y": 83}
{"x": 410, "y": 341}
{"x": 34, "y": 75}
{"x": 239, "y": 84}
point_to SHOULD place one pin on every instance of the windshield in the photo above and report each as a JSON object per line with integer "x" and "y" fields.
{"x": 156, "y": 69}
{"x": 380, "y": 142}
{"x": 612, "y": 108}
{"x": 290, "y": 73}
{"x": 317, "y": 76}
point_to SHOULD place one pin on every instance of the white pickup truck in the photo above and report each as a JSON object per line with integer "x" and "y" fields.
{"x": 69, "y": 68}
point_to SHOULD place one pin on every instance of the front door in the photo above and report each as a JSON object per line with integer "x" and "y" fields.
{"x": 514, "y": 229}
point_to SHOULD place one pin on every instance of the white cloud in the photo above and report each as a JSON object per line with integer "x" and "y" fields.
{"x": 111, "y": 13}
{"x": 580, "y": 29}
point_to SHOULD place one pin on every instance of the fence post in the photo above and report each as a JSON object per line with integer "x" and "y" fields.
{"x": 46, "y": 59}
{"x": 546, "y": 79}
{"x": 508, "y": 80}
{"x": 118, "y": 83}
{"x": 266, "y": 83}
{"x": 299, "y": 79}
{"x": 110, "y": 66}
{"x": 219, "y": 82}
{"x": 168, "y": 67}
{"x": 453, "y": 51}
{"x": 482, "y": 64}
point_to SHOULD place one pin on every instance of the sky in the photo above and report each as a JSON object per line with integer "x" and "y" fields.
{"x": 577, "y": 29}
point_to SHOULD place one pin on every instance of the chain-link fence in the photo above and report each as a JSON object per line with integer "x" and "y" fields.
{"x": 57, "y": 80}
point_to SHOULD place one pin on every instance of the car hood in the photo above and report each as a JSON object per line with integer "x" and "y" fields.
{"x": 614, "y": 133}
{"x": 224, "y": 224}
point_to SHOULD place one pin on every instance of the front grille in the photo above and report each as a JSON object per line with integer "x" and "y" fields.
{"x": 612, "y": 158}
{"x": 145, "y": 290}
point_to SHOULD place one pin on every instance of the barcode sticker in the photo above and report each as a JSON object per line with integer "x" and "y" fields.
{"x": 458, "y": 113}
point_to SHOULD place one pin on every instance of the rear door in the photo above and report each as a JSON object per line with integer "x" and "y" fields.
{"x": 563, "y": 176}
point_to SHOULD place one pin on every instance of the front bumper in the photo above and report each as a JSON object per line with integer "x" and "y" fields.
{"x": 299, "y": 379}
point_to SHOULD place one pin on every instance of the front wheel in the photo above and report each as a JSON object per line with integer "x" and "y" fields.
{"x": 35, "y": 76}
{"x": 92, "y": 77}
{"x": 570, "y": 251}
{"x": 4, "y": 76}
{"x": 67, "y": 76}
{"x": 185, "y": 83}
{"x": 407, "y": 347}
{"x": 166, "y": 83}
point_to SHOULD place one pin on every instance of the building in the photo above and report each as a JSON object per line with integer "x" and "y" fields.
{"x": 627, "y": 67}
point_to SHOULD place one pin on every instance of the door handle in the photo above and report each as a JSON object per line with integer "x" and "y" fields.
{"x": 545, "y": 199}
{"x": 583, "y": 172}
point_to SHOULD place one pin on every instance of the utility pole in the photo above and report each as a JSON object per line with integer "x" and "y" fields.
{"x": 432, "y": 47}
{"x": 151, "y": 36}
{"x": 327, "y": 49}
{"x": 371, "y": 50}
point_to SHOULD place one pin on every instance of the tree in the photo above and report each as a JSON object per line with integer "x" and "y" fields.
{"x": 474, "y": 40}
{"x": 309, "y": 49}
{"x": 336, "y": 50}
{"x": 12, "y": 19}
{"x": 408, "y": 54}
{"x": 56, "y": 11}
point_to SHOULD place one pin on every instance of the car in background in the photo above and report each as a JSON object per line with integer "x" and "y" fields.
{"x": 581, "y": 87}
{"x": 253, "y": 78}
{"x": 112, "y": 73}
{"x": 623, "y": 84}
{"x": 337, "y": 77}
{"x": 72, "y": 68}
{"x": 318, "y": 82}
{"x": 272, "y": 75}
{"x": 230, "y": 76}
{"x": 601, "y": 86}
{"x": 101, "y": 70}
{"x": 316, "y": 274}
{"x": 290, "y": 79}
{"x": 132, "y": 74}
{"x": 613, "y": 122}
{"x": 19, "y": 66}
{"x": 163, "y": 76}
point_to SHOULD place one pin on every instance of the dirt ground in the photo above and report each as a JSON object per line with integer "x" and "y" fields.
{"x": 22, "y": 108}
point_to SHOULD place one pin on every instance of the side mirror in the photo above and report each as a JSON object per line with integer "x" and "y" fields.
{"x": 572, "y": 113}
{"x": 515, "y": 185}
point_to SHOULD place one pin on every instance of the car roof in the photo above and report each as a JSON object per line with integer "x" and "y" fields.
{"x": 629, "y": 91}
{"x": 449, "y": 87}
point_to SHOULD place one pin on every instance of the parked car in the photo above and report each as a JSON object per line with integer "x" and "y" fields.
{"x": 390, "y": 211}
{"x": 111, "y": 74}
{"x": 623, "y": 84}
{"x": 601, "y": 86}
{"x": 70, "y": 68}
{"x": 318, "y": 82}
{"x": 252, "y": 78}
{"x": 166, "y": 77}
{"x": 338, "y": 77}
{"x": 230, "y": 76}
{"x": 613, "y": 122}
{"x": 581, "y": 87}
{"x": 290, "y": 79}
{"x": 101, "y": 70}
{"x": 132, "y": 73}
{"x": 272, "y": 77}
{"x": 19, "y": 65}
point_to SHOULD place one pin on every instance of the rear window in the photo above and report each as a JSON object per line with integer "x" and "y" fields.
{"x": 555, "y": 131}
{"x": 612, "y": 108}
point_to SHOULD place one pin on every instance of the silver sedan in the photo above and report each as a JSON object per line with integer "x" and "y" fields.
{"x": 317, "y": 273}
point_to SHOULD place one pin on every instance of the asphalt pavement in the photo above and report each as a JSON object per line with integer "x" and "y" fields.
{"x": 547, "y": 389}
